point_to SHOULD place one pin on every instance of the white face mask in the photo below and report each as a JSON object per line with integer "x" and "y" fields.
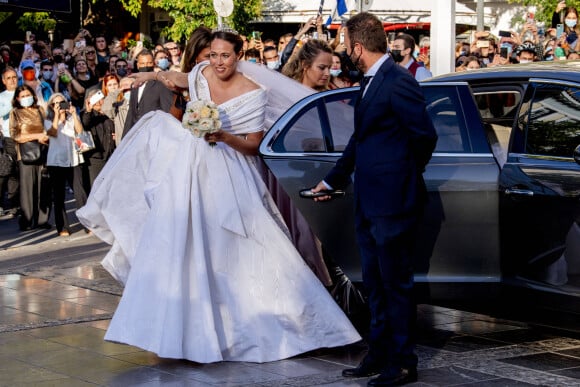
{"x": 335, "y": 72}
{"x": 26, "y": 101}
{"x": 571, "y": 23}
{"x": 47, "y": 75}
{"x": 522, "y": 61}
{"x": 273, "y": 65}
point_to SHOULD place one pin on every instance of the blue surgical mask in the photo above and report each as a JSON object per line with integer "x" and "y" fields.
{"x": 47, "y": 75}
{"x": 127, "y": 95}
{"x": 571, "y": 23}
{"x": 335, "y": 72}
{"x": 26, "y": 101}
{"x": 253, "y": 60}
{"x": 163, "y": 63}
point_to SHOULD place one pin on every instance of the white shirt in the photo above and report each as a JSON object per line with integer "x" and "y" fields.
{"x": 61, "y": 151}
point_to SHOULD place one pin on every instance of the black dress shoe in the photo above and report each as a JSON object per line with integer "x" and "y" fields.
{"x": 403, "y": 376}
{"x": 364, "y": 369}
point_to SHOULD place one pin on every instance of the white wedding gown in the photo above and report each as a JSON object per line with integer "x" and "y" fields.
{"x": 209, "y": 272}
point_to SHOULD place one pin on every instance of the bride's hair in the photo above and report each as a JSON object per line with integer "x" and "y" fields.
{"x": 304, "y": 58}
{"x": 230, "y": 37}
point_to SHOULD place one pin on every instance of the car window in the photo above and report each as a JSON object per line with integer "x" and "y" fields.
{"x": 325, "y": 125}
{"x": 498, "y": 109}
{"x": 554, "y": 121}
{"x": 444, "y": 107}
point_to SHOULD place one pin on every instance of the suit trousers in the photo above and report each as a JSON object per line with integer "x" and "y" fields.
{"x": 34, "y": 196}
{"x": 386, "y": 245}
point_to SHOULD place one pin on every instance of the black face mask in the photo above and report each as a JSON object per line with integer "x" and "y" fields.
{"x": 146, "y": 69}
{"x": 354, "y": 73}
{"x": 58, "y": 58}
{"x": 397, "y": 56}
{"x": 121, "y": 72}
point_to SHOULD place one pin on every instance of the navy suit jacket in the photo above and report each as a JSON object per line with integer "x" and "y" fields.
{"x": 392, "y": 143}
{"x": 155, "y": 97}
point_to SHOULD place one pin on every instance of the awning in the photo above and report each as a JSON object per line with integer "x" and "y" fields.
{"x": 389, "y": 11}
{"x": 36, "y": 5}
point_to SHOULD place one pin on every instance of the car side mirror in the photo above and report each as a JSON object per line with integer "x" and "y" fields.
{"x": 577, "y": 154}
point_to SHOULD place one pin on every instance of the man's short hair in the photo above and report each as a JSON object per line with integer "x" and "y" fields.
{"x": 367, "y": 29}
{"x": 270, "y": 48}
{"x": 143, "y": 52}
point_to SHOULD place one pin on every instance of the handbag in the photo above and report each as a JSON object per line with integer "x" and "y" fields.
{"x": 33, "y": 152}
{"x": 6, "y": 161}
{"x": 84, "y": 141}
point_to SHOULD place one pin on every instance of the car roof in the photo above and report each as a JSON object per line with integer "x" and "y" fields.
{"x": 558, "y": 70}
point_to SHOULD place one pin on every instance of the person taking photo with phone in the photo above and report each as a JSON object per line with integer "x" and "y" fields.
{"x": 62, "y": 123}
{"x": 565, "y": 21}
{"x": 102, "y": 129}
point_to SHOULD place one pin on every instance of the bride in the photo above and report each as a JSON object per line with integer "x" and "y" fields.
{"x": 213, "y": 276}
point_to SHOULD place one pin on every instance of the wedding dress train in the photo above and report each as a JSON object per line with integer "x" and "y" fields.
{"x": 209, "y": 270}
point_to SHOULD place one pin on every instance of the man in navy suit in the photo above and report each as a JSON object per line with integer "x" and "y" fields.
{"x": 392, "y": 143}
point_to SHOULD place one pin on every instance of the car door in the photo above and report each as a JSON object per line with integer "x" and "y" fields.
{"x": 459, "y": 235}
{"x": 540, "y": 190}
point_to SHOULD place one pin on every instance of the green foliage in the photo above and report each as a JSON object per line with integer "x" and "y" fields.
{"x": 147, "y": 43}
{"x": 187, "y": 15}
{"x": 545, "y": 8}
{"x": 131, "y": 6}
{"x": 35, "y": 21}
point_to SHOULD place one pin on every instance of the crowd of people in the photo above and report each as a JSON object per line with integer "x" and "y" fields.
{"x": 73, "y": 71}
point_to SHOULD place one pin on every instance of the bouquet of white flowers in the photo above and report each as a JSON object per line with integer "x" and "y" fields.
{"x": 201, "y": 117}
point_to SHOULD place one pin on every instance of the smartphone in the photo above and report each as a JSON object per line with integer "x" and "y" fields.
{"x": 80, "y": 43}
{"x": 482, "y": 44}
{"x": 424, "y": 50}
{"x": 503, "y": 52}
{"x": 559, "y": 30}
{"x": 256, "y": 35}
{"x": 530, "y": 18}
{"x": 64, "y": 105}
{"x": 341, "y": 37}
{"x": 96, "y": 97}
{"x": 28, "y": 33}
{"x": 505, "y": 34}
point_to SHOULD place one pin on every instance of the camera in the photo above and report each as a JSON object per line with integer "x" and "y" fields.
{"x": 505, "y": 34}
{"x": 482, "y": 44}
{"x": 64, "y": 105}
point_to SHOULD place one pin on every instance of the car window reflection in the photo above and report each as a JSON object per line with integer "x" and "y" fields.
{"x": 444, "y": 107}
{"x": 554, "y": 122}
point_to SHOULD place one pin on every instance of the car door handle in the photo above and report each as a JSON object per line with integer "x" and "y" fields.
{"x": 308, "y": 194}
{"x": 517, "y": 191}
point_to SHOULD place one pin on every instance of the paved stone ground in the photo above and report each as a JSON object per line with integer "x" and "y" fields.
{"x": 56, "y": 302}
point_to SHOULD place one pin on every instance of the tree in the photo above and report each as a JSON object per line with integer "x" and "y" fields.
{"x": 545, "y": 8}
{"x": 187, "y": 15}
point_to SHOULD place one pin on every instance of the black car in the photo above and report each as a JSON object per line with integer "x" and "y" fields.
{"x": 504, "y": 181}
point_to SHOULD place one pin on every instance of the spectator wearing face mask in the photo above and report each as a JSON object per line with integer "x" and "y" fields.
{"x": 42, "y": 89}
{"x": 122, "y": 68}
{"x": 161, "y": 60}
{"x": 253, "y": 55}
{"x": 526, "y": 52}
{"x": 271, "y": 58}
{"x": 47, "y": 74}
{"x": 569, "y": 17}
{"x": 116, "y": 106}
{"x": 402, "y": 53}
{"x": 339, "y": 73}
